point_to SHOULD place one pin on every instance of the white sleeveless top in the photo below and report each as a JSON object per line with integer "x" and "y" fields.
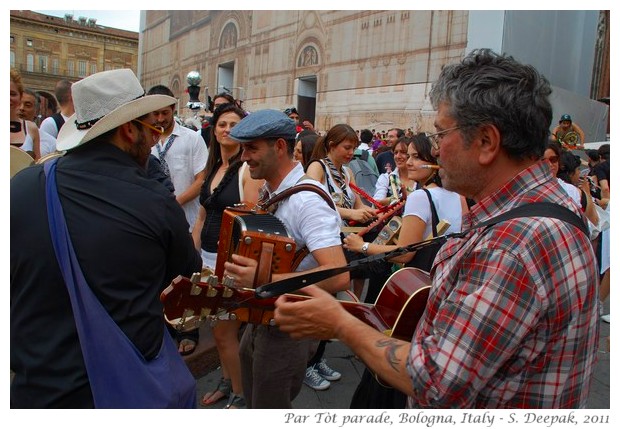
{"x": 447, "y": 204}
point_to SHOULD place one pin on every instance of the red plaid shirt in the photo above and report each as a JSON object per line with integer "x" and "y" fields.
{"x": 512, "y": 318}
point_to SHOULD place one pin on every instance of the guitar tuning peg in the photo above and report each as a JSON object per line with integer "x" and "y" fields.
{"x": 211, "y": 292}
{"x": 228, "y": 281}
{"x": 195, "y": 290}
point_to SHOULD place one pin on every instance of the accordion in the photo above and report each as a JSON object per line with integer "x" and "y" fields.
{"x": 251, "y": 232}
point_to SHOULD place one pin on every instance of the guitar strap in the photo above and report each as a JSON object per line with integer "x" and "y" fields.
{"x": 536, "y": 209}
{"x": 298, "y": 187}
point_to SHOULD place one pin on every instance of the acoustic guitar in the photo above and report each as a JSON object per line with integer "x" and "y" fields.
{"x": 396, "y": 312}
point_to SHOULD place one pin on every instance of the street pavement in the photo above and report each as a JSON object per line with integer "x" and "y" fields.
{"x": 342, "y": 359}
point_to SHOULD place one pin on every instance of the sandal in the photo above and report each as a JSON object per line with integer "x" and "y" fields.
{"x": 223, "y": 388}
{"x": 234, "y": 402}
{"x": 187, "y": 346}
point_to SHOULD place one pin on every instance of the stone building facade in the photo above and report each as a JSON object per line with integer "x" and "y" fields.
{"x": 370, "y": 69}
{"x": 45, "y": 49}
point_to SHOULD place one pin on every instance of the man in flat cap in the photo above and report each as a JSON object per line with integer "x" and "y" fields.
{"x": 273, "y": 365}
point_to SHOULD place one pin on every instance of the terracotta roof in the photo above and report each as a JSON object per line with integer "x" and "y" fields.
{"x": 74, "y": 23}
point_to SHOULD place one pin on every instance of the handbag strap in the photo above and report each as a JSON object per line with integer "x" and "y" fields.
{"x": 89, "y": 314}
{"x": 435, "y": 217}
{"x": 118, "y": 374}
{"x": 58, "y": 230}
{"x": 328, "y": 183}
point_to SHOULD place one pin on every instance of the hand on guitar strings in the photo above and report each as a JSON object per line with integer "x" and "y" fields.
{"x": 242, "y": 270}
{"x": 317, "y": 317}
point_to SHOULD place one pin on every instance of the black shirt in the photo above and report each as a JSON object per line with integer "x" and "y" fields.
{"x": 601, "y": 171}
{"x": 215, "y": 204}
{"x": 131, "y": 239}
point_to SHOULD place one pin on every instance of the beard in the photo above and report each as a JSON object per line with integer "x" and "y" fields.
{"x": 462, "y": 178}
{"x": 141, "y": 150}
{"x": 265, "y": 167}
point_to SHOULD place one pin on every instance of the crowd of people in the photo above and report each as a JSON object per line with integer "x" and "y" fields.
{"x": 137, "y": 199}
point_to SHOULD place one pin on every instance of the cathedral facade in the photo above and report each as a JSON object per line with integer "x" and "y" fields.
{"x": 370, "y": 69}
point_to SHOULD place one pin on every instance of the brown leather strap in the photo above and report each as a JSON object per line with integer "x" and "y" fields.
{"x": 263, "y": 270}
{"x": 303, "y": 252}
{"x": 299, "y": 256}
{"x": 298, "y": 188}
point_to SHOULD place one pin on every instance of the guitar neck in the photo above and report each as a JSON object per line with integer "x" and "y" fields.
{"x": 264, "y": 314}
{"x": 186, "y": 302}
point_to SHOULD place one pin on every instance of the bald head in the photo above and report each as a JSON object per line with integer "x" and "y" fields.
{"x": 63, "y": 92}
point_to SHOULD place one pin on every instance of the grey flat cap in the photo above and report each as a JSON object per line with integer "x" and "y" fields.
{"x": 264, "y": 124}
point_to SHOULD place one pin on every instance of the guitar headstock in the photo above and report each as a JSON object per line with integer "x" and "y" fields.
{"x": 189, "y": 302}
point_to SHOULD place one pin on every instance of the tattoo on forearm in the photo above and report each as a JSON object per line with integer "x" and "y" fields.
{"x": 390, "y": 345}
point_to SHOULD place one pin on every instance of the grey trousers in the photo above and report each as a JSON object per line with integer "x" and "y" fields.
{"x": 273, "y": 366}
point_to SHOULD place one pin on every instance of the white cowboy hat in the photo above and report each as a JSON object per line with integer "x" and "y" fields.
{"x": 104, "y": 101}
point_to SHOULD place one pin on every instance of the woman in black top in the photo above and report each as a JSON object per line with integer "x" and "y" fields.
{"x": 223, "y": 187}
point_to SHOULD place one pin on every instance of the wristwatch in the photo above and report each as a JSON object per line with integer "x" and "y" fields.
{"x": 365, "y": 248}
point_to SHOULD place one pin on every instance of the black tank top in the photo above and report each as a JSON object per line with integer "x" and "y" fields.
{"x": 228, "y": 196}
{"x": 25, "y": 135}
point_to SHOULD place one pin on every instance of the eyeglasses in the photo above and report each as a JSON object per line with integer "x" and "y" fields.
{"x": 552, "y": 159}
{"x": 157, "y": 129}
{"x": 435, "y": 138}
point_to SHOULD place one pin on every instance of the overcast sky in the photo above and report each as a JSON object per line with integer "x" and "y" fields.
{"x": 123, "y": 19}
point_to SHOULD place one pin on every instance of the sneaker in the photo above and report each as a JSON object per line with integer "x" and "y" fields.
{"x": 605, "y": 318}
{"x": 314, "y": 380}
{"x": 326, "y": 372}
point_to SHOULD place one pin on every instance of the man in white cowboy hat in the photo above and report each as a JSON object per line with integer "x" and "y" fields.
{"x": 129, "y": 235}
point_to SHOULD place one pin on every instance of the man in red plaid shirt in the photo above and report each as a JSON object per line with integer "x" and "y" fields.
{"x": 512, "y": 316}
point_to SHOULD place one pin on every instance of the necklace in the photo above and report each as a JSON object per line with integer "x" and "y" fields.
{"x": 16, "y": 126}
